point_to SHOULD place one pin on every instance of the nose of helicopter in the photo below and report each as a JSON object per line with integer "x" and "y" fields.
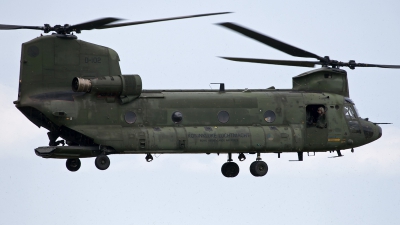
{"x": 378, "y": 132}
{"x": 372, "y": 131}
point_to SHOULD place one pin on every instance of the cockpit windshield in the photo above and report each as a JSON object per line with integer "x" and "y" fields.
{"x": 349, "y": 101}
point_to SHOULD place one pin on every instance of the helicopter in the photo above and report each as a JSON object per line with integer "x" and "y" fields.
{"x": 76, "y": 91}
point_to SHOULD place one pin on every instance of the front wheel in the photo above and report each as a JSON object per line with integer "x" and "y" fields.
{"x": 258, "y": 168}
{"x": 102, "y": 162}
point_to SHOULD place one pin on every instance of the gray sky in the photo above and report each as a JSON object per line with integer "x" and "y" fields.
{"x": 360, "y": 188}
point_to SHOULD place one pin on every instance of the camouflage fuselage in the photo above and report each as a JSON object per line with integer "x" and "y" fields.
{"x": 145, "y": 124}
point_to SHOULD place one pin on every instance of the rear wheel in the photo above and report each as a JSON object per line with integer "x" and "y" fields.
{"x": 102, "y": 162}
{"x": 73, "y": 164}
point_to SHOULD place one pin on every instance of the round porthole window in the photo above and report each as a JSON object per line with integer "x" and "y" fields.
{"x": 130, "y": 117}
{"x": 269, "y": 116}
{"x": 177, "y": 117}
{"x": 223, "y": 116}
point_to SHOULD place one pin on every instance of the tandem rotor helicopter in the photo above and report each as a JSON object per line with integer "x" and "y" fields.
{"x": 76, "y": 91}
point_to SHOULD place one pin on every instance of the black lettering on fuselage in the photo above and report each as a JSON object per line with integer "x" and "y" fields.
{"x": 92, "y": 59}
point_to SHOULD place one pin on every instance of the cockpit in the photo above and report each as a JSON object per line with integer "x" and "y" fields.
{"x": 354, "y": 121}
{"x": 351, "y": 116}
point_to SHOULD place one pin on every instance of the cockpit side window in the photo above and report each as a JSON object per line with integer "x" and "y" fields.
{"x": 351, "y": 102}
{"x": 351, "y": 117}
{"x": 349, "y": 112}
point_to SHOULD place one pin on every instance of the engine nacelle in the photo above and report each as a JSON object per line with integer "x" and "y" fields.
{"x": 127, "y": 87}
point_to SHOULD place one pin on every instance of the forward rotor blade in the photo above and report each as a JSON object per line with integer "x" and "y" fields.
{"x": 275, "y": 62}
{"x": 281, "y": 46}
{"x": 14, "y": 27}
{"x": 376, "y": 65}
{"x": 157, "y": 20}
{"x": 94, "y": 23}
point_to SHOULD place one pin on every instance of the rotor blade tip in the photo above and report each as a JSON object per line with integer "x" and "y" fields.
{"x": 223, "y": 24}
{"x": 219, "y": 13}
{"x": 228, "y": 25}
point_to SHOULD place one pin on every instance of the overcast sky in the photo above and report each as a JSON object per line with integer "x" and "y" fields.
{"x": 359, "y": 188}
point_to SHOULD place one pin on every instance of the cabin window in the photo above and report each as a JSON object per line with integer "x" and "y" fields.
{"x": 177, "y": 117}
{"x": 223, "y": 116}
{"x": 269, "y": 116}
{"x": 130, "y": 117}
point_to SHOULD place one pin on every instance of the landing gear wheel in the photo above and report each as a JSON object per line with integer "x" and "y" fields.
{"x": 258, "y": 168}
{"x": 73, "y": 164}
{"x": 102, "y": 162}
{"x": 230, "y": 169}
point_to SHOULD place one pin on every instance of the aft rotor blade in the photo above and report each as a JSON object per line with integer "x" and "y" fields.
{"x": 158, "y": 20}
{"x": 279, "y": 45}
{"x": 275, "y": 62}
{"x": 94, "y": 23}
{"x": 14, "y": 27}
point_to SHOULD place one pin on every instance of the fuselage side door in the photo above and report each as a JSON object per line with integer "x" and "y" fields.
{"x": 337, "y": 127}
{"x": 316, "y": 128}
